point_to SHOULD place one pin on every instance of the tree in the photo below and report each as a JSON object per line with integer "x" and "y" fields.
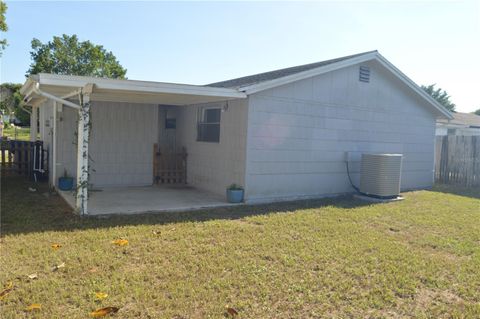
{"x": 440, "y": 95}
{"x": 67, "y": 55}
{"x": 11, "y": 102}
{"x": 477, "y": 112}
{"x": 3, "y": 25}
{"x": 9, "y": 97}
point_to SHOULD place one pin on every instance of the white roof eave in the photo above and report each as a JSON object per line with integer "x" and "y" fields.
{"x": 137, "y": 86}
{"x": 127, "y": 86}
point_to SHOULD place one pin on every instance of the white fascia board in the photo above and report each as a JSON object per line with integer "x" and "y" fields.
{"x": 452, "y": 125}
{"x": 254, "y": 88}
{"x": 27, "y": 87}
{"x": 405, "y": 79}
{"x": 137, "y": 86}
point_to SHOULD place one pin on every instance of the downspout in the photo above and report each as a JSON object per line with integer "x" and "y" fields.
{"x": 36, "y": 89}
{"x": 82, "y": 146}
{"x": 26, "y": 110}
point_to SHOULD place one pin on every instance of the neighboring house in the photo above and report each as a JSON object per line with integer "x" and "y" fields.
{"x": 466, "y": 124}
{"x": 282, "y": 134}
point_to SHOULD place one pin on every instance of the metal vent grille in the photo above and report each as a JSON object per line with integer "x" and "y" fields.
{"x": 380, "y": 175}
{"x": 364, "y": 74}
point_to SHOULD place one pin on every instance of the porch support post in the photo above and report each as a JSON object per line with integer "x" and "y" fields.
{"x": 34, "y": 124}
{"x": 54, "y": 145}
{"x": 82, "y": 152}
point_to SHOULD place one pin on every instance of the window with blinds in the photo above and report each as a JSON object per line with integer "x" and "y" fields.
{"x": 208, "y": 124}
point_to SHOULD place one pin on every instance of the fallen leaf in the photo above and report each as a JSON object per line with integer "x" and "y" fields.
{"x": 57, "y": 267}
{"x": 5, "y": 292}
{"x": 103, "y": 312}
{"x": 92, "y": 270}
{"x": 101, "y": 295}
{"x": 120, "y": 242}
{"x": 34, "y": 306}
{"x": 232, "y": 312}
{"x": 33, "y": 276}
{"x": 156, "y": 232}
{"x": 56, "y": 246}
{"x": 8, "y": 285}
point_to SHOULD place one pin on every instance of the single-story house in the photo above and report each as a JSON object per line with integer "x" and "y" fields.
{"x": 462, "y": 124}
{"x": 282, "y": 135}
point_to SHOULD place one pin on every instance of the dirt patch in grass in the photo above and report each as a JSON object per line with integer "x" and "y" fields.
{"x": 426, "y": 297}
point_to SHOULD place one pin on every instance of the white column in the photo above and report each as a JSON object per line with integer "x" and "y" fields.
{"x": 33, "y": 124}
{"x": 54, "y": 145}
{"x": 82, "y": 155}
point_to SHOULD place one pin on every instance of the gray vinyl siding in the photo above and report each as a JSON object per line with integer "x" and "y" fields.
{"x": 298, "y": 134}
{"x": 214, "y": 166}
{"x": 122, "y": 138}
{"x": 67, "y": 142}
{"x": 122, "y": 150}
{"x": 121, "y": 143}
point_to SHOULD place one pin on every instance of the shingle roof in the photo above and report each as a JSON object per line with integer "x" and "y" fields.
{"x": 464, "y": 119}
{"x": 272, "y": 75}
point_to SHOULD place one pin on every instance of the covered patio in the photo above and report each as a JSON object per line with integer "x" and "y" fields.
{"x": 120, "y": 141}
{"x": 132, "y": 200}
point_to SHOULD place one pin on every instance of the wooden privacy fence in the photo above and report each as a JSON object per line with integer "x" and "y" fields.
{"x": 457, "y": 160}
{"x": 22, "y": 158}
{"x": 169, "y": 167}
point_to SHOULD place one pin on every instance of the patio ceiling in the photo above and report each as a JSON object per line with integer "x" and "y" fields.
{"x": 125, "y": 90}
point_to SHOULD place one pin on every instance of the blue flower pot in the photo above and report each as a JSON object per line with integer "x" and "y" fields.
{"x": 235, "y": 195}
{"x": 65, "y": 183}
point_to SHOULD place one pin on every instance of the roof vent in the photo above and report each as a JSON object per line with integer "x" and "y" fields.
{"x": 364, "y": 74}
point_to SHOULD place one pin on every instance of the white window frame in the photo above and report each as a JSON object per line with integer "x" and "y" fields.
{"x": 200, "y": 120}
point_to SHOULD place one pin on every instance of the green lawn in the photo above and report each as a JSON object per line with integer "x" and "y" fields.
{"x": 18, "y": 133}
{"x": 332, "y": 258}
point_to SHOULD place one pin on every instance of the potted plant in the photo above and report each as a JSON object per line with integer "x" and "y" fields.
{"x": 65, "y": 183}
{"x": 235, "y": 193}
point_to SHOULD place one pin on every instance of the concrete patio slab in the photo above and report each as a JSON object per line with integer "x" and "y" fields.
{"x": 134, "y": 200}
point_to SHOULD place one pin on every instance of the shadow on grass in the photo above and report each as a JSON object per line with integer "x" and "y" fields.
{"x": 473, "y": 192}
{"x": 23, "y": 211}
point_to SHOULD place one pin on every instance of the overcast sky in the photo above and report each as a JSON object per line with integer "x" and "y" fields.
{"x": 198, "y": 43}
